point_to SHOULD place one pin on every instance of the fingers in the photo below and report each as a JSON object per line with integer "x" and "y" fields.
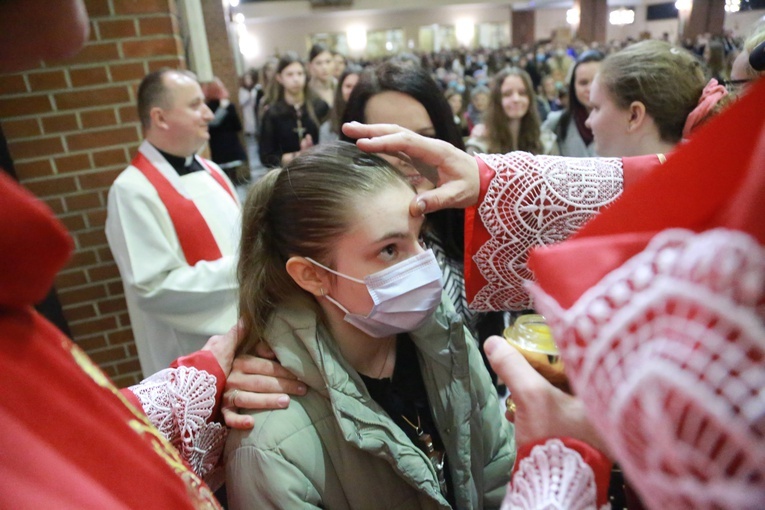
{"x": 263, "y": 350}
{"x": 235, "y": 420}
{"x": 261, "y": 379}
{"x": 417, "y": 207}
{"x": 359, "y": 130}
{"x": 447, "y": 196}
{"x": 428, "y": 151}
{"x": 392, "y": 139}
{"x": 253, "y": 365}
{"x": 238, "y": 399}
{"x": 512, "y": 367}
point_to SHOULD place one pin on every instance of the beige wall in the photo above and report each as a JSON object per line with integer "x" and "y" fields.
{"x": 742, "y": 22}
{"x": 281, "y": 26}
{"x": 279, "y": 35}
{"x": 550, "y": 19}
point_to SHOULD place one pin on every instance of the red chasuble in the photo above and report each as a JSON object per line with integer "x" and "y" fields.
{"x": 68, "y": 437}
{"x": 658, "y": 307}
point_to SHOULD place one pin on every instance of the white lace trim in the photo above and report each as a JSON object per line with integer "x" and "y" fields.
{"x": 534, "y": 201}
{"x": 668, "y": 351}
{"x": 552, "y": 477}
{"x": 180, "y": 402}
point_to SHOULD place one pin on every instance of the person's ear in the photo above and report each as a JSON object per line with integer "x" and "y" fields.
{"x": 279, "y": 79}
{"x": 307, "y": 275}
{"x": 637, "y": 115}
{"x": 157, "y": 116}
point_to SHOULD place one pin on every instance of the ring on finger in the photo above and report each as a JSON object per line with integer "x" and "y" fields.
{"x": 233, "y": 398}
{"x": 510, "y": 404}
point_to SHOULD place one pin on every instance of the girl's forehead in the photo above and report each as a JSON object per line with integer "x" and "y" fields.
{"x": 382, "y": 209}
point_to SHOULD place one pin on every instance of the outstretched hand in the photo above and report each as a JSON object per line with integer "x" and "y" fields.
{"x": 458, "y": 181}
{"x": 257, "y": 382}
{"x": 542, "y": 410}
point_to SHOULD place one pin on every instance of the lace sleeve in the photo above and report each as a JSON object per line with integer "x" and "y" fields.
{"x": 667, "y": 351}
{"x": 553, "y": 476}
{"x": 534, "y": 201}
{"x": 180, "y": 402}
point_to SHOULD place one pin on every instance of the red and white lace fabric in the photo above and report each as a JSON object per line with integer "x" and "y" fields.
{"x": 668, "y": 352}
{"x": 658, "y": 307}
{"x": 181, "y": 403}
{"x": 553, "y": 476}
{"x": 533, "y": 201}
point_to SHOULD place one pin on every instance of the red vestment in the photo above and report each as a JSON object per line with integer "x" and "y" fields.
{"x": 69, "y": 438}
{"x": 657, "y": 305}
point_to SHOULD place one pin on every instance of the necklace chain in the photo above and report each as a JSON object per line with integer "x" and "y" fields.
{"x": 387, "y": 356}
{"x": 435, "y": 457}
{"x": 418, "y": 428}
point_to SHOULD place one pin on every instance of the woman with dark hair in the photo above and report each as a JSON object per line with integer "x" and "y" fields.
{"x": 406, "y": 95}
{"x": 574, "y": 138}
{"x": 511, "y": 122}
{"x": 291, "y": 123}
{"x": 330, "y": 129}
{"x": 455, "y": 100}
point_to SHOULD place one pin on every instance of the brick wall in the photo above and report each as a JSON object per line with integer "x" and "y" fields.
{"x": 71, "y": 128}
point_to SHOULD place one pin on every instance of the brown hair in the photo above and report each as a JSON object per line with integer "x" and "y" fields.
{"x": 497, "y": 126}
{"x": 288, "y": 59}
{"x": 300, "y": 209}
{"x": 666, "y": 79}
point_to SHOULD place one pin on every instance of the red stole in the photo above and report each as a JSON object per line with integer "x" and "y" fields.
{"x": 194, "y": 235}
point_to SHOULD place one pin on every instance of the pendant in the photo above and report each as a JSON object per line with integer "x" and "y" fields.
{"x": 436, "y": 458}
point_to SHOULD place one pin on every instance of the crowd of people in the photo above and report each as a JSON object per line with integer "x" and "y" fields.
{"x": 552, "y": 91}
{"x": 367, "y": 294}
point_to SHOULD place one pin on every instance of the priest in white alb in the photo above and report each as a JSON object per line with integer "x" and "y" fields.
{"x": 173, "y": 226}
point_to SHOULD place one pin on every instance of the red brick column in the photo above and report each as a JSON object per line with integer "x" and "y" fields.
{"x": 706, "y": 17}
{"x": 72, "y": 128}
{"x": 523, "y": 27}
{"x": 593, "y": 20}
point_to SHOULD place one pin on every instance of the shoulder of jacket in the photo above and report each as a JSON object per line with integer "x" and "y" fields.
{"x": 273, "y": 428}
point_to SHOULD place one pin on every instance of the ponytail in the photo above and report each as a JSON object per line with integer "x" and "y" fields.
{"x": 263, "y": 279}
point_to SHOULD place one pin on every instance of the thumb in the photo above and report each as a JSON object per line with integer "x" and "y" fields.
{"x": 429, "y": 201}
{"x": 510, "y": 365}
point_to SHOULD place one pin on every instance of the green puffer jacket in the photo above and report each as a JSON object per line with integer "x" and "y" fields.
{"x": 336, "y": 448}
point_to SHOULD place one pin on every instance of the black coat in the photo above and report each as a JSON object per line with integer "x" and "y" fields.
{"x": 279, "y": 129}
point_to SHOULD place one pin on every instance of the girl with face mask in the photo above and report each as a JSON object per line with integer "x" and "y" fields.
{"x": 400, "y": 410}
